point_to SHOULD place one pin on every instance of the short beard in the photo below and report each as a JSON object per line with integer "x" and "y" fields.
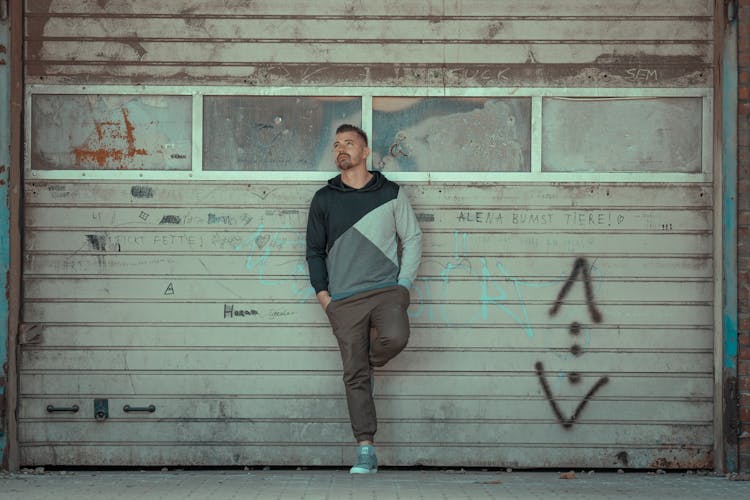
{"x": 346, "y": 164}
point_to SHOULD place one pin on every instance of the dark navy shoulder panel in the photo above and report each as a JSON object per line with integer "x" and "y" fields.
{"x": 345, "y": 208}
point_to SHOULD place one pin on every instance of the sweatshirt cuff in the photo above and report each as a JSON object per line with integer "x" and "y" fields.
{"x": 405, "y": 283}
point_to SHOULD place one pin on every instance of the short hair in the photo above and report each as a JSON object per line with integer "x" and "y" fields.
{"x": 348, "y": 127}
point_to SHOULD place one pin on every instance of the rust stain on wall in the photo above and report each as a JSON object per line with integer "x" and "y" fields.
{"x": 699, "y": 459}
{"x": 103, "y": 150}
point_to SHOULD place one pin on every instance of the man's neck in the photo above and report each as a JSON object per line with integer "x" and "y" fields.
{"x": 356, "y": 177}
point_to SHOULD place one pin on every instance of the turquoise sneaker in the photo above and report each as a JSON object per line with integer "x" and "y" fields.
{"x": 367, "y": 462}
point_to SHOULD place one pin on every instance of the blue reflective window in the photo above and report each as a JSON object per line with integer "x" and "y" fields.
{"x": 467, "y": 134}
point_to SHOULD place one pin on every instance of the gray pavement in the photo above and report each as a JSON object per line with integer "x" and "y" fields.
{"x": 387, "y": 484}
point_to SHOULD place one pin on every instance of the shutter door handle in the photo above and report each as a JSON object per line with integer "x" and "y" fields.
{"x": 129, "y": 409}
{"x": 54, "y": 409}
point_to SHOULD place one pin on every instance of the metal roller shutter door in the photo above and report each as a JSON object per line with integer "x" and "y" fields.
{"x": 563, "y": 315}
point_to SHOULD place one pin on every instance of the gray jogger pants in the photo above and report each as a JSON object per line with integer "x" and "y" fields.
{"x": 351, "y": 319}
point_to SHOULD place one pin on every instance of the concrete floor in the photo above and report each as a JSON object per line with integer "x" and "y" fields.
{"x": 387, "y": 484}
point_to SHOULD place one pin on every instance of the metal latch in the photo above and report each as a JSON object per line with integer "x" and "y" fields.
{"x": 101, "y": 409}
{"x": 731, "y": 6}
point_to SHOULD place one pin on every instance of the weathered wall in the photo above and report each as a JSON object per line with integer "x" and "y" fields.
{"x": 190, "y": 293}
{"x": 743, "y": 235}
{"x": 193, "y": 297}
{"x": 435, "y": 43}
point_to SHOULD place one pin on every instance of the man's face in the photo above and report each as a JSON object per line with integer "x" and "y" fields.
{"x": 350, "y": 151}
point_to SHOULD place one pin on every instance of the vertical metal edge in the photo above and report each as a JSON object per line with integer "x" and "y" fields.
{"x": 14, "y": 191}
{"x": 718, "y": 413}
{"x": 196, "y": 162}
{"x": 28, "y": 103}
{"x": 725, "y": 240}
{"x": 707, "y": 137}
{"x": 367, "y": 122}
{"x": 729, "y": 241}
{"x": 536, "y": 133}
{"x": 4, "y": 222}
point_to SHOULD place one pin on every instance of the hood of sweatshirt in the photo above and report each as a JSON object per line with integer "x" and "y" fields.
{"x": 375, "y": 183}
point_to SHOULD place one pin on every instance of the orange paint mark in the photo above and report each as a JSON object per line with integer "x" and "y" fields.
{"x": 110, "y": 133}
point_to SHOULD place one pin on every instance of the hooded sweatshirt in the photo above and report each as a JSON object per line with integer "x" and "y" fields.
{"x": 353, "y": 234}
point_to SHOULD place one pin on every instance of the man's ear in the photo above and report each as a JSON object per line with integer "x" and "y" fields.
{"x": 366, "y": 152}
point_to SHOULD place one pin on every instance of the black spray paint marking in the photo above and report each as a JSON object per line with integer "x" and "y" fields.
{"x": 566, "y": 422}
{"x": 574, "y": 377}
{"x": 575, "y": 349}
{"x": 580, "y": 267}
{"x": 97, "y": 242}
{"x": 142, "y": 192}
{"x": 170, "y": 219}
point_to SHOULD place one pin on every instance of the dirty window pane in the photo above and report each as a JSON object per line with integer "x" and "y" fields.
{"x": 622, "y": 135}
{"x": 429, "y": 134}
{"x": 111, "y": 132}
{"x": 274, "y": 133}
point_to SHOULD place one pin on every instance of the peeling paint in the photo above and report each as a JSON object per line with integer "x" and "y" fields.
{"x": 137, "y": 47}
{"x": 101, "y": 150}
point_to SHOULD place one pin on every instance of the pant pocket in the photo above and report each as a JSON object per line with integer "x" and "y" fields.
{"x": 333, "y": 313}
{"x": 405, "y": 295}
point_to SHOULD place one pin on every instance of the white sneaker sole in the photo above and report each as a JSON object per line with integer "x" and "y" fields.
{"x": 360, "y": 470}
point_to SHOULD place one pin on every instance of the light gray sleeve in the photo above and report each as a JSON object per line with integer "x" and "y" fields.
{"x": 410, "y": 234}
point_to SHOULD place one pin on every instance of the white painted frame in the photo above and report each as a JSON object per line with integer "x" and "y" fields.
{"x": 366, "y": 94}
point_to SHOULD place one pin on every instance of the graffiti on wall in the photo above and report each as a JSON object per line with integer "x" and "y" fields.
{"x": 580, "y": 269}
{"x": 492, "y": 294}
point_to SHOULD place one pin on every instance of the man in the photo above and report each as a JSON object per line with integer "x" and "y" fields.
{"x": 353, "y": 232}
